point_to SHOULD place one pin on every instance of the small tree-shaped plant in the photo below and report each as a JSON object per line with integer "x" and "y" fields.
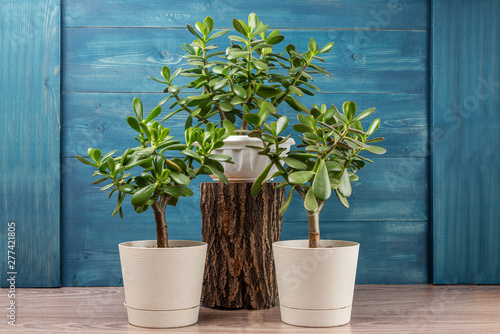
{"x": 234, "y": 82}
{"x": 332, "y": 142}
{"x": 150, "y": 177}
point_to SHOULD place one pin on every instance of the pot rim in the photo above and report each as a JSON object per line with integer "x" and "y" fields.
{"x": 240, "y": 141}
{"x": 337, "y": 244}
{"x": 190, "y": 244}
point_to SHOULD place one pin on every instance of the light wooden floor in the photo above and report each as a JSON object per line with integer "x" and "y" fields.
{"x": 377, "y": 309}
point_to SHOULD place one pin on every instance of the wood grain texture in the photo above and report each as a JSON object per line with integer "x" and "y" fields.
{"x": 361, "y": 14}
{"x": 120, "y": 59}
{"x": 240, "y": 230}
{"x": 376, "y": 309}
{"x": 29, "y": 145}
{"x": 98, "y": 120}
{"x": 465, "y": 126}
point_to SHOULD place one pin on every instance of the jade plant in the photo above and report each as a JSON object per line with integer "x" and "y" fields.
{"x": 326, "y": 161}
{"x": 150, "y": 176}
{"x": 235, "y": 80}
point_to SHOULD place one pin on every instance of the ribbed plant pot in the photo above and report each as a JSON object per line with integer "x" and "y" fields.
{"x": 162, "y": 285}
{"x": 316, "y": 285}
{"x": 248, "y": 164}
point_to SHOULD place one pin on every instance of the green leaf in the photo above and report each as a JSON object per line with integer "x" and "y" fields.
{"x": 134, "y": 124}
{"x": 158, "y": 163}
{"x": 326, "y": 48}
{"x": 208, "y": 25}
{"x": 373, "y": 127}
{"x": 239, "y": 28}
{"x": 106, "y": 187}
{"x": 295, "y": 91}
{"x": 252, "y": 21}
{"x": 312, "y": 46}
{"x": 240, "y": 91}
{"x": 334, "y": 183}
{"x": 287, "y": 202}
{"x": 137, "y": 108}
{"x": 236, "y": 55}
{"x": 349, "y": 109}
{"x": 127, "y": 188}
{"x": 220, "y": 157}
{"x": 180, "y": 178}
{"x": 237, "y": 100}
{"x": 142, "y": 196}
{"x": 345, "y": 184}
{"x": 257, "y": 185}
{"x": 268, "y": 91}
{"x": 165, "y": 72}
{"x": 275, "y": 39}
{"x": 301, "y": 128}
{"x": 310, "y": 202}
{"x": 111, "y": 164}
{"x": 217, "y": 34}
{"x": 145, "y": 129}
{"x": 321, "y": 184}
{"x": 192, "y": 154}
{"x": 300, "y": 177}
{"x": 294, "y": 163}
{"x": 193, "y": 31}
{"x": 375, "y": 149}
{"x": 364, "y": 114}
{"x": 253, "y": 119}
{"x": 341, "y": 198}
{"x": 118, "y": 206}
{"x": 333, "y": 166}
{"x": 237, "y": 39}
{"x": 85, "y": 161}
{"x": 178, "y": 191}
{"x": 155, "y": 112}
{"x": 199, "y": 97}
{"x": 219, "y": 174}
{"x": 281, "y": 124}
{"x": 266, "y": 109}
{"x": 139, "y": 162}
{"x": 260, "y": 65}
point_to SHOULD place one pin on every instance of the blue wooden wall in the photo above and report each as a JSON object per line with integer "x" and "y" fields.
{"x": 380, "y": 58}
{"x": 29, "y": 142}
{"x": 465, "y": 141}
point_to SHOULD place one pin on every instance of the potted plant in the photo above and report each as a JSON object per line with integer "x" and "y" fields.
{"x": 232, "y": 82}
{"x": 162, "y": 278}
{"x": 316, "y": 277}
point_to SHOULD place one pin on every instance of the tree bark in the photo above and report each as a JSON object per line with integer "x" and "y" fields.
{"x": 240, "y": 231}
{"x": 314, "y": 230}
{"x": 161, "y": 229}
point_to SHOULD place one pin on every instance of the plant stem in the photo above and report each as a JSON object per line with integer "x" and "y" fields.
{"x": 313, "y": 229}
{"x": 161, "y": 226}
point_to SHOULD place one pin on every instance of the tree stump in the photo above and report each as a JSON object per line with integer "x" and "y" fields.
{"x": 240, "y": 231}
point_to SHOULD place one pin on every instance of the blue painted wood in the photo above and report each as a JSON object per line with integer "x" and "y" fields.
{"x": 120, "y": 59}
{"x": 98, "y": 120}
{"x": 339, "y": 14}
{"x": 386, "y": 66}
{"x": 29, "y": 145}
{"x": 465, "y": 126}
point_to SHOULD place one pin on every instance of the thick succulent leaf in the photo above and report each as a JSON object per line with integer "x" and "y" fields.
{"x": 310, "y": 202}
{"x": 345, "y": 184}
{"x": 142, "y": 196}
{"x": 321, "y": 184}
{"x": 300, "y": 177}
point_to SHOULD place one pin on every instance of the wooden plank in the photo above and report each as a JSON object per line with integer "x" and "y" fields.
{"x": 465, "y": 127}
{"x": 362, "y": 14}
{"x": 98, "y": 120}
{"x": 120, "y": 59}
{"x": 376, "y": 309}
{"x": 392, "y": 221}
{"x": 29, "y": 175}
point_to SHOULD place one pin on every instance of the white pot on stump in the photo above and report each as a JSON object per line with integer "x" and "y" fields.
{"x": 248, "y": 164}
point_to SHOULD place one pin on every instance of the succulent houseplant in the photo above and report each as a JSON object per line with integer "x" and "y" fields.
{"x": 236, "y": 81}
{"x": 147, "y": 174}
{"x": 327, "y": 161}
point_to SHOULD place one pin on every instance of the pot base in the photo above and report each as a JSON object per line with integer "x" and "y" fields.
{"x": 315, "y": 318}
{"x": 162, "y": 319}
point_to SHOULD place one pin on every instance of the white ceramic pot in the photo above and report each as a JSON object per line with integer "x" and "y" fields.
{"x": 248, "y": 164}
{"x": 162, "y": 285}
{"x": 316, "y": 285}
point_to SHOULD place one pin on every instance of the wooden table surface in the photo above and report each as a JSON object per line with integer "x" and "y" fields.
{"x": 377, "y": 309}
